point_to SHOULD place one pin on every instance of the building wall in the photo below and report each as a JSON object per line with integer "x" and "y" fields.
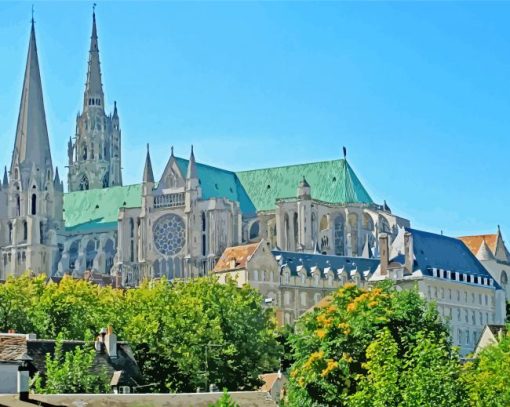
{"x": 8, "y": 378}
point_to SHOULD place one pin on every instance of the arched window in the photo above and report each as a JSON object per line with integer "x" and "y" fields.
{"x": 296, "y": 231}
{"x": 324, "y": 223}
{"x": 84, "y": 151}
{"x": 286, "y": 228}
{"x": 204, "y": 222}
{"x": 131, "y": 228}
{"x": 92, "y": 151}
{"x": 504, "y": 278}
{"x": 339, "y": 235}
{"x": 106, "y": 180}
{"x": 90, "y": 253}
{"x": 384, "y": 226}
{"x": 10, "y": 232}
{"x": 353, "y": 222}
{"x": 41, "y": 232}
{"x": 84, "y": 183}
{"x": 368, "y": 223}
{"x": 254, "y": 230}
{"x": 25, "y": 230}
{"x": 18, "y": 206}
{"x": 34, "y": 204}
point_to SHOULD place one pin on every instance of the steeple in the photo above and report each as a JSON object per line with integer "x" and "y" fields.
{"x": 94, "y": 96}
{"x": 148, "y": 174}
{"x": 192, "y": 166}
{"x": 32, "y": 145}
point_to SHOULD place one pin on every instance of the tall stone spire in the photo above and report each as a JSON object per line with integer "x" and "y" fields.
{"x": 148, "y": 174}
{"x": 32, "y": 145}
{"x": 94, "y": 96}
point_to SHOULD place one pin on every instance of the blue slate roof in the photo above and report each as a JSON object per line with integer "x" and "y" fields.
{"x": 309, "y": 260}
{"x": 438, "y": 251}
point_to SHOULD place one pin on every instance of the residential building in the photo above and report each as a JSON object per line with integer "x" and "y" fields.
{"x": 445, "y": 271}
{"x": 291, "y": 282}
{"x": 112, "y": 356}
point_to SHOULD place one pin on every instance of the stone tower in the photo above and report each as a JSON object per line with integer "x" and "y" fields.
{"x": 32, "y": 197}
{"x": 95, "y": 156}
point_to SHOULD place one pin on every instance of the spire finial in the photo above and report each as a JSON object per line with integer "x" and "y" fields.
{"x": 345, "y": 152}
{"x": 147, "y": 147}
{"x": 33, "y": 21}
{"x": 172, "y": 151}
{"x": 94, "y": 8}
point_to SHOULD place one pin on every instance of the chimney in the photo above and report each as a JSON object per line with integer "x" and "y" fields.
{"x": 408, "y": 252}
{"x": 110, "y": 342}
{"x": 383, "y": 244}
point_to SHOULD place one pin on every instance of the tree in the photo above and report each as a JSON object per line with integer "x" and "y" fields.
{"x": 18, "y": 298}
{"x": 195, "y": 333}
{"x": 71, "y": 372}
{"x": 225, "y": 401}
{"x": 372, "y": 338}
{"x": 427, "y": 375}
{"x": 487, "y": 378}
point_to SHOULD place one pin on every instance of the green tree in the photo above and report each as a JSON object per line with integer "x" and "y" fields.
{"x": 487, "y": 378}
{"x": 427, "y": 375}
{"x": 340, "y": 350}
{"x": 71, "y": 372}
{"x": 191, "y": 334}
{"x": 225, "y": 401}
{"x": 18, "y": 299}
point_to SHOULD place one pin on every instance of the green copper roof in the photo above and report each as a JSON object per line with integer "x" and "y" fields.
{"x": 98, "y": 209}
{"x": 219, "y": 183}
{"x": 256, "y": 190}
{"x": 330, "y": 181}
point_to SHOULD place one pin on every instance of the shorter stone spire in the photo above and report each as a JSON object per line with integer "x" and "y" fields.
{"x": 148, "y": 174}
{"x": 192, "y": 166}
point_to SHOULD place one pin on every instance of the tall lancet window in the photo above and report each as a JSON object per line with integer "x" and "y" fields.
{"x": 25, "y": 230}
{"x": 204, "y": 233}
{"x": 34, "y": 204}
{"x": 18, "y": 206}
{"x": 10, "y": 232}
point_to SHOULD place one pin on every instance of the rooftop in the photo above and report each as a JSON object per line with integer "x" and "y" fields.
{"x": 235, "y": 258}
{"x": 256, "y": 190}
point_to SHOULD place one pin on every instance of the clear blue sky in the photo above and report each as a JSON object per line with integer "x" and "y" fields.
{"x": 419, "y": 92}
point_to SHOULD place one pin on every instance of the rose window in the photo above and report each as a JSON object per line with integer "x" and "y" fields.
{"x": 169, "y": 234}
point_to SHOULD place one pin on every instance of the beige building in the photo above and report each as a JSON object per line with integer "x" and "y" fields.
{"x": 292, "y": 282}
{"x": 447, "y": 273}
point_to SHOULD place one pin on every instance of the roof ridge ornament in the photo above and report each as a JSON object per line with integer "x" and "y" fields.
{"x": 345, "y": 152}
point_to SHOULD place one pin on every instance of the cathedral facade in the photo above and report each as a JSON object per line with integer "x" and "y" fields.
{"x": 176, "y": 225}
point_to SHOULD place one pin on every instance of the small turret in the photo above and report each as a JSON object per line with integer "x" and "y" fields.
{"x": 192, "y": 166}
{"x": 148, "y": 174}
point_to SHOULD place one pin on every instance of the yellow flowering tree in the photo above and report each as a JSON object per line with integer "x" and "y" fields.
{"x": 331, "y": 343}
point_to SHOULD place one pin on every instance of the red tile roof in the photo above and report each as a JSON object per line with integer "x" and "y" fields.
{"x": 474, "y": 242}
{"x": 235, "y": 258}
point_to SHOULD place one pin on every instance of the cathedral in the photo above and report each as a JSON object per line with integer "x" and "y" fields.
{"x": 176, "y": 225}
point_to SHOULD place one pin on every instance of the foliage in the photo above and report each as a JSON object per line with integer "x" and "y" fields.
{"x": 71, "y": 372}
{"x": 360, "y": 348}
{"x": 191, "y": 334}
{"x": 225, "y": 401}
{"x": 487, "y": 378}
{"x": 184, "y": 334}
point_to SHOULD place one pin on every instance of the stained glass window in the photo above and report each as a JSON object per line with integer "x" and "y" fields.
{"x": 169, "y": 234}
